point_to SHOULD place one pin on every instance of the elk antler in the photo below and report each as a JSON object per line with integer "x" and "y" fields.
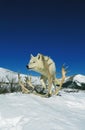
{"x": 24, "y": 89}
{"x": 29, "y": 81}
{"x": 63, "y": 71}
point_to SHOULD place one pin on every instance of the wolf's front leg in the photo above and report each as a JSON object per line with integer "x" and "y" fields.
{"x": 50, "y": 79}
{"x": 43, "y": 81}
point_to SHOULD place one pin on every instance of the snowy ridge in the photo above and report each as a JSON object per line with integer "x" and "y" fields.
{"x": 8, "y": 75}
{"x": 80, "y": 78}
{"x": 76, "y": 82}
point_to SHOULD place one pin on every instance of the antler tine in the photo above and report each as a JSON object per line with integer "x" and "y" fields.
{"x": 24, "y": 89}
{"x": 65, "y": 67}
{"x": 63, "y": 71}
{"x": 30, "y": 78}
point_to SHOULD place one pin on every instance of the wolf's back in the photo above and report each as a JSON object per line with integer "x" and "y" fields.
{"x": 51, "y": 66}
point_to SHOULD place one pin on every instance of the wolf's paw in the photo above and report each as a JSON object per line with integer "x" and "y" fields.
{"x": 49, "y": 95}
{"x": 58, "y": 94}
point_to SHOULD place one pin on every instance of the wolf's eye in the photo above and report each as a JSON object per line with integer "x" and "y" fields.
{"x": 33, "y": 61}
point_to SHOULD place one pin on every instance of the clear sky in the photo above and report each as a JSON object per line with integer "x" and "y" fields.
{"x": 55, "y": 28}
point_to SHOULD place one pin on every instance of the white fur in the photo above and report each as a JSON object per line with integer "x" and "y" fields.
{"x": 46, "y": 67}
{"x": 37, "y": 64}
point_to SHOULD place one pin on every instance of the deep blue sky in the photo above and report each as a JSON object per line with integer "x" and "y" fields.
{"x": 53, "y": 28}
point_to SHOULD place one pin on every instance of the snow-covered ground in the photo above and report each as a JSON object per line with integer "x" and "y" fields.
{"x": 30, "y": 112}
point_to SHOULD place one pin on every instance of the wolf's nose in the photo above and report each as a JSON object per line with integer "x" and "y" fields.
{"x": 27, "y": 66}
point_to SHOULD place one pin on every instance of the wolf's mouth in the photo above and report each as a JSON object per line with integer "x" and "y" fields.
{"x": 30, "y": 68}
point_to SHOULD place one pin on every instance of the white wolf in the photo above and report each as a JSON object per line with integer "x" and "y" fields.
{"x": 46, "y": 67}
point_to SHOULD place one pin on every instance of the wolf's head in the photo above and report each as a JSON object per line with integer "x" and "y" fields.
{"x": 36, "y": 63}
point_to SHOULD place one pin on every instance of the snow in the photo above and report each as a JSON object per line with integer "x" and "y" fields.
{"x": 79, "y": 78}
{"x": 8, "y": 75}
{"x": 30, "y": 112}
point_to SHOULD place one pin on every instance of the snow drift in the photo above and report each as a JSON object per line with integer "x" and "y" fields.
{"x": 29, "y": 112}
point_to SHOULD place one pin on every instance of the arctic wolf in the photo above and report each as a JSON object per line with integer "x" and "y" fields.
{"x": 46, "y": 67}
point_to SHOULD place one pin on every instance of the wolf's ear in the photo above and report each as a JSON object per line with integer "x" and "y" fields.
{"x": 39, "y": 56}
{"x": 31, "y": 56}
